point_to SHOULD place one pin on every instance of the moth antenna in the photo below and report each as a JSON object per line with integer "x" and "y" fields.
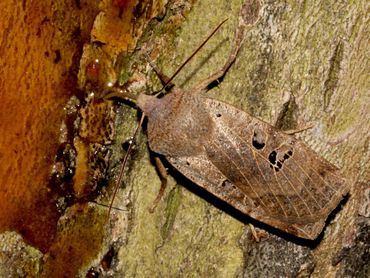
{"x": 192, "y": 55}
{"x": 125, "y": 159}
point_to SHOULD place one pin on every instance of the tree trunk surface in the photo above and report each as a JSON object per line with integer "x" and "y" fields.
{"x": 301, "y": 63}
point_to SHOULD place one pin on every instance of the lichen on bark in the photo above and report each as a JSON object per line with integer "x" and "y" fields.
{"x": 298, "y": 52}
{"x": 302, "y": 62}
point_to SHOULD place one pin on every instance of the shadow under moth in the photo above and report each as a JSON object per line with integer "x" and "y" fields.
{"x": 256, "y": 168}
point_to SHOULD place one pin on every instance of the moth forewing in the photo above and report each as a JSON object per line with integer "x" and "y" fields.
{"x": 263, "y": 172}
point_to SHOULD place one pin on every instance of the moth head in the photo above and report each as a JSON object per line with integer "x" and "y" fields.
{"x": 147, "y": 103}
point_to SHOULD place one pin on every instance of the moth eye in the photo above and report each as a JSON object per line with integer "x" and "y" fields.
{"x": 218, "y": 115}
{"x": 187, "y": 163}
{"x": 258, "y": 140}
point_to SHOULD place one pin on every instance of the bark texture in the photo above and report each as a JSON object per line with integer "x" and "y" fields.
{"x": 302, "y": 62}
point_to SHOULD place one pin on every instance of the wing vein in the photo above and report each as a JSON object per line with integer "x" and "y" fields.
{"x": 245, "y": 178}
{"x": 268, "y": 185}
{"x": 300, "y": 197}
{"x": 281, "y": 187}
{"x": 308, "y": 176}
{"x": 308, "y": 191}
{"x": 286, "y": 195}
{"x": 328, "y": 185}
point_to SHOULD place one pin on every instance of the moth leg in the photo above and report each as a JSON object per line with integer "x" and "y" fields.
{"x": 217, "y": 76}
{"x": 163, "y": 176}
{"x": 257, "y": 235}
{"x": 294, "y": 131}
{"x": 254, "y": 232}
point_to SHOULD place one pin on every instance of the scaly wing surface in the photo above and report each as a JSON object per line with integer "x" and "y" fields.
{"x": 265, "y": 173}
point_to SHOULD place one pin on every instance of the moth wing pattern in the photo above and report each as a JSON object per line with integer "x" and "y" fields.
{"x": 264, "y": 173}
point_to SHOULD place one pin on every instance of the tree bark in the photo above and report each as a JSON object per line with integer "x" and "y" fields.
{"x": 301, "y": 63}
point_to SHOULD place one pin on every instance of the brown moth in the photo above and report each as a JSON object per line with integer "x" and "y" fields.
{"x": 256, "y": 168}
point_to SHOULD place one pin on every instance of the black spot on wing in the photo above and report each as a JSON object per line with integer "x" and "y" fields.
{"x": 258, "y": 139}
{"x": 278, "y": 157}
